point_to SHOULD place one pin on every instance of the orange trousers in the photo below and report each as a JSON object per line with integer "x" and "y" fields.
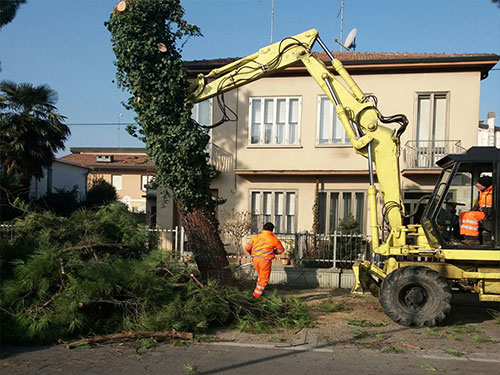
{"x": 263, "y": 268}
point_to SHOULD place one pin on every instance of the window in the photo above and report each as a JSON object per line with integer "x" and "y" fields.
{"x": 330, "y": 129}
{"x": 431, "y": 121}
{"x": 202, "y": 114}
{"x": 431, "y": 128}
{"x": 277, "y": 207}
{"x": 274, "y": 121}
{"x": 116, "y": 181}
{"x": 144, "y": 181}
{"x": 334, "y": 206}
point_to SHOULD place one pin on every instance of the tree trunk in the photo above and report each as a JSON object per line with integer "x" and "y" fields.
{"x": 205, "y": 244}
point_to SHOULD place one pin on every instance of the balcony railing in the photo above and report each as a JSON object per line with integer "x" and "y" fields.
{"x": 425, "y": 154}
{"x": 220, "y": 159}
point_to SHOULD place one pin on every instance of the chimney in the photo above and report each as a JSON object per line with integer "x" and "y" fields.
{"x": 491, "y": 129}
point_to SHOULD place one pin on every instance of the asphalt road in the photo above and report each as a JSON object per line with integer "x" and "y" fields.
{"x": 236, "y": 359}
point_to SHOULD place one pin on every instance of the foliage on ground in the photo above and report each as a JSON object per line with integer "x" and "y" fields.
{"x": 99, "y": 272}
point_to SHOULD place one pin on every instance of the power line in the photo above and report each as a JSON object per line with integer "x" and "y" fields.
{"x": 102, "y": 123}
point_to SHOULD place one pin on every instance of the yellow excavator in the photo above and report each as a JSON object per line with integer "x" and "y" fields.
{"x": 421, "y": 262}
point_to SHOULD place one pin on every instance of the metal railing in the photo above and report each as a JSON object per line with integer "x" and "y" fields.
{"x": 425, "y": 154}
{"x": 220, "y": 158}
{"x": 176, "y": 244}
{"x": 336, "y": 250}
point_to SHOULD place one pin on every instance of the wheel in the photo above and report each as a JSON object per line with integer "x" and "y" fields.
{"x": 415, "y": 296}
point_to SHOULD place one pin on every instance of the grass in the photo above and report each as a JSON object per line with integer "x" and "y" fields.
{"x": 393, "y": 350}
{"x": 454, "y": 352}
{"x": 135, "y": 357}
{"x": 330, "y": 306}
{"x": 433, "y": 331}
{"x": 365, "y": 323}
{"x": 478, "y": 338}
{"x": 148, "y": 343}
{"x": 359, "y": 333}
{"x": 496, "y": 315}
{"x": 429, "y": 368}
{"x": 193, "y": 369}
{"x": 204, "y": 338}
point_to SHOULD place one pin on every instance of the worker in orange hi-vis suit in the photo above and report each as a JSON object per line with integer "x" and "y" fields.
{"x": 262, "y": 248}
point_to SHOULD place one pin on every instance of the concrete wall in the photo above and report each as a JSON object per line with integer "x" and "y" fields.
{"x": 306, "y": 277}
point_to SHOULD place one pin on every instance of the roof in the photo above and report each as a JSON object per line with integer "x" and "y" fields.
{"x": 70, "y": 163}
{"x": 370, "y": 62}
{"x": 119, "y": 161}
{"x": 108, "y": 150}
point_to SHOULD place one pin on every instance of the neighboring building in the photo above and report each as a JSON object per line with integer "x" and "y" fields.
{"x": 488, "y": 134}
{"x": 127, "y": 169}
{"x": 60, "y": 175}
{"x": 287, "y": 146}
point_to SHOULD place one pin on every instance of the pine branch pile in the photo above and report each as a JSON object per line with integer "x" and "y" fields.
{"x": 99, "y": 272}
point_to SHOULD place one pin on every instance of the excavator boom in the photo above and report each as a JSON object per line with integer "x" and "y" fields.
{"x": 359, "y": 117}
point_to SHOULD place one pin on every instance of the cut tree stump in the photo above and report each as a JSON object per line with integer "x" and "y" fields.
{"x": 121, "y": 6}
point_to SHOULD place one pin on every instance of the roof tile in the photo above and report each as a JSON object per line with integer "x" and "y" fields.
{"x": 119, "y": 160}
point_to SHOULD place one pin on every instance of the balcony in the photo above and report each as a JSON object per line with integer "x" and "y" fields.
{"x": 220, "y": 158}
{"x": 420, "y": 155}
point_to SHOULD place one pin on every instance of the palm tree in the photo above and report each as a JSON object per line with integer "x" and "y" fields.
{"x": 8, "y": 10}
{"x": 31, "y": 129}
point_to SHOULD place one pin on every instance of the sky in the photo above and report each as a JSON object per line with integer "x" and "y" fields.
{"x": 64, "y": 44}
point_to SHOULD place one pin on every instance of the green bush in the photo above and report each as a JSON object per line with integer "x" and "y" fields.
{"x": 100, "y": 194}
{"x": 61, "y": 202}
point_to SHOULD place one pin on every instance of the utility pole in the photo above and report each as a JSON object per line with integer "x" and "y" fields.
{"x": 272, "y": 20}
{"x": 341, "y": 24}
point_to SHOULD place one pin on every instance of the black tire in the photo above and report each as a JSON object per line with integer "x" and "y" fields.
{"x": 415, "y": 296}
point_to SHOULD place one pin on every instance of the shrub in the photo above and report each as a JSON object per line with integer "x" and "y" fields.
{"x": 100, "y": 193}
{"x": 61, "y": 202}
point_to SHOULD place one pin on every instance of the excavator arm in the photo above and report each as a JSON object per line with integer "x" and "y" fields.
{"x": 359, "y": 116}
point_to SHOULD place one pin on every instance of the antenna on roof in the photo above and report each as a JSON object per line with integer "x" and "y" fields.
{"x": 350, "y": 41}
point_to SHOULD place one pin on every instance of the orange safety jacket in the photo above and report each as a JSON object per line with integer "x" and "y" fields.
{"x": 469, "y": 222}
{"x": 264, "y": 245}
{"x": 486, "y": 198}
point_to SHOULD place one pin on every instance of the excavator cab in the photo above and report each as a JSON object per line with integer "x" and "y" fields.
{"x": 456, "y": 194}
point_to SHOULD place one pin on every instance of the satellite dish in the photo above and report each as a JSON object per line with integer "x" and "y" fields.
{"x": 350, "y": 41}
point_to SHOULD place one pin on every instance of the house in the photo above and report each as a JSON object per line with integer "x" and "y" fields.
{"x": 286, "y": 158}
{"x": 60, "y": 175}
{"x": 488, "y": 134}
{"x": 127, "y": 169}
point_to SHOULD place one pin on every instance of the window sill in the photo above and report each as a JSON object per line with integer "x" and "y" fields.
{"x": 272, "y": 146}
{"x": 333, "y": 146}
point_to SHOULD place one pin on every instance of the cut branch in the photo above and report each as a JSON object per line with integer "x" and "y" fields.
{"x": 131, "y": 335}
{"x": 196, "y": 281}
{"x": 91, "y": 246}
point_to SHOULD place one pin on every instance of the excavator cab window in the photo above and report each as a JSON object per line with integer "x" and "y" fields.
{"x": 453, "y": 218}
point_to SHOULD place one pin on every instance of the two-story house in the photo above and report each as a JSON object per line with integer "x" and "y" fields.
{"x": 127, "y": 169}
{"x": 287, "y": 150}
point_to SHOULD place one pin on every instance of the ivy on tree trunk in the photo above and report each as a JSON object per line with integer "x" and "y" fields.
{"x": 146, "y": 35}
